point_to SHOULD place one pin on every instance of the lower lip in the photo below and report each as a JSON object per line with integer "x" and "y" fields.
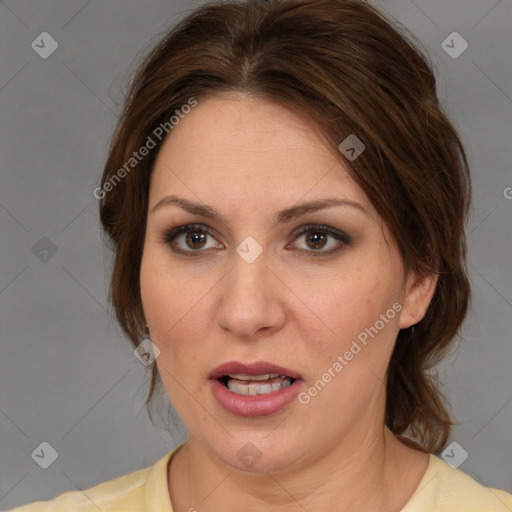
{"x": 253, "y": 406}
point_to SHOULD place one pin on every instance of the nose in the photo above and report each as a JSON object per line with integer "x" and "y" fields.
{"x": 250, "y": 304}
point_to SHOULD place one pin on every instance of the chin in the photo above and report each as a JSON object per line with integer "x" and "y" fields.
{"x": 254, "y": 454}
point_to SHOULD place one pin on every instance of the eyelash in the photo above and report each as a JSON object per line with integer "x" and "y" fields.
{"x": 169, "y": 236}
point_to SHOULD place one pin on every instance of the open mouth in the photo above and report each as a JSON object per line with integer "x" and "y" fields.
{"x": 256, "y": 389}
{"x": 242, "y": 384}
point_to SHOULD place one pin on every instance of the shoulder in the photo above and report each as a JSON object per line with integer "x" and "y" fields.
{"x": 445, "y": 489}
{"x": 127, "y": 493}
{"x": 106, "y": 496}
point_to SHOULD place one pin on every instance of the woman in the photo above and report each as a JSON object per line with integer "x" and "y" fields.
{"x": 286, "y": 201}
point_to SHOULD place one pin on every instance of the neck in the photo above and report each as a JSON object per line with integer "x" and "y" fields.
{"x": 380, "y": 474}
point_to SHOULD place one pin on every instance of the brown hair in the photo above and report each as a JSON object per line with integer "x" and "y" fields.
{"x": 344, "y": 67}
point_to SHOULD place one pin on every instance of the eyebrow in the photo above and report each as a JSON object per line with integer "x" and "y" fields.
{"x": 285, "y": 215}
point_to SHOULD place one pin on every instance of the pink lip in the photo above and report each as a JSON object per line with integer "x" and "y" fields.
{"x": 256, "y": 368}
{"x": 254, "y": 405}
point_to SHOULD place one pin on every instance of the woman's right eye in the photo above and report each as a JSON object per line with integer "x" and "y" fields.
{"x": 190, "y": 240}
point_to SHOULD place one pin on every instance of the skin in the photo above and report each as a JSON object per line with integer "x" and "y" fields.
{"x": 250, "y": 158}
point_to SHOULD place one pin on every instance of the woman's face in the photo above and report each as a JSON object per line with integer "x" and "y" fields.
{"x": 293, "y": 275}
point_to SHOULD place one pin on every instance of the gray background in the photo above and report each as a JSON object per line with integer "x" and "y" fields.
{"x": 67, "y": 376}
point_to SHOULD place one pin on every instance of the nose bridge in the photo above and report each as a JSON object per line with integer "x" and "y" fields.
{"x": 248, "y": 282}
{"x": 249, "y": 301}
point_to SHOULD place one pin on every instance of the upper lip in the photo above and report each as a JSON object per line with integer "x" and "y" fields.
{"x": 255, "y": 368}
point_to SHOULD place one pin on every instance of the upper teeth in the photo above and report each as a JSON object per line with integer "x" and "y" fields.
{"x": 266, "y": 376}
{"x": 249, "y": 386}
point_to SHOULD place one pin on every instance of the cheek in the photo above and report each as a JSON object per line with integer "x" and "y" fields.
{"x": 355, "y": 300}
{"x": 174, "y": 306}
{"x": 172, "y": 309}
{"x": 163, "y": 292}
{"x": 350, "y": 365}
{"x": 360, "y": 313}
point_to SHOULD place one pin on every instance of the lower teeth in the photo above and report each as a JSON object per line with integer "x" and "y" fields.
{"x": 257, "y": 388}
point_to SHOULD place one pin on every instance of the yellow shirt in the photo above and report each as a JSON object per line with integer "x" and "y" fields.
{"x": 442, "y": 489}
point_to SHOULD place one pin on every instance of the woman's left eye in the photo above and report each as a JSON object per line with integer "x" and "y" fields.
{"x": 321, "y": 240}
{"x": 194, "y": 239}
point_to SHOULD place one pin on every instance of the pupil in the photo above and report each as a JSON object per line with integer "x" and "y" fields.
{"x": 195, "y": 239}
{"x": 317, "y": 240}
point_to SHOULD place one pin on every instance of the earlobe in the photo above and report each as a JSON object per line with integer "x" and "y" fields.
{"x": 419, "y": 292}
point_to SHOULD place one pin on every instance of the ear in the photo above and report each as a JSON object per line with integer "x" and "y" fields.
{"x": 419, "y": 291}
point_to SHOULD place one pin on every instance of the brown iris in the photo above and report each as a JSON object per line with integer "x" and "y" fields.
{"x": 196, "y": 239}
{"x": 316, "y": 240}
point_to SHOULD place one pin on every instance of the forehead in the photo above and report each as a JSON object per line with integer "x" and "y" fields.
{"x": 236, "y": 146}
